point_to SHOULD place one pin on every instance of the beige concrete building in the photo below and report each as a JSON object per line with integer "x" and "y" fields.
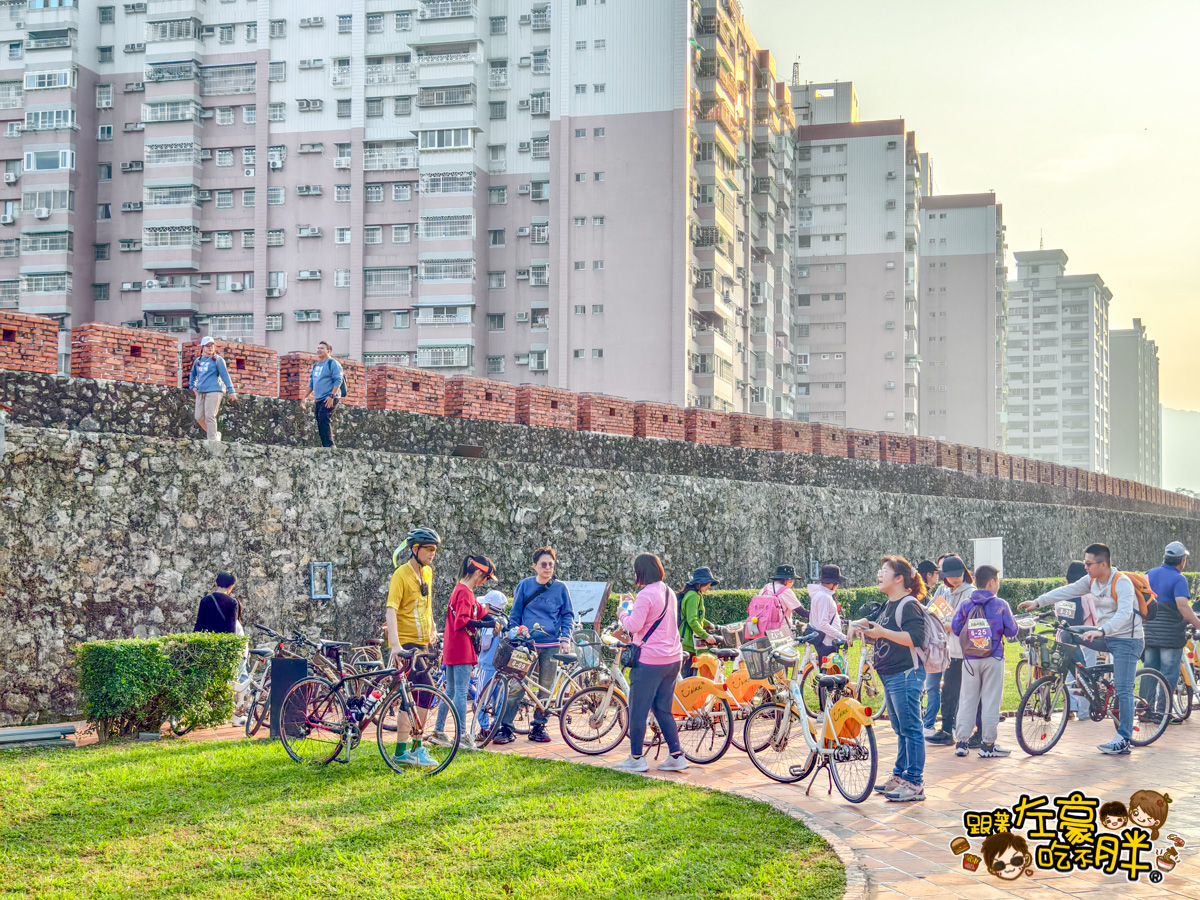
{"x": 963, "y": 309}
{"x": 1134, "y": 411}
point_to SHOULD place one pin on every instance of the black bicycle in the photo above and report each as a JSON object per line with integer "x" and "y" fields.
{"x": 1045, "y": 706}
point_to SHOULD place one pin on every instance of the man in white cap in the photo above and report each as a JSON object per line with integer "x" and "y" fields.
{"x": 1166, "y": 633}
{"x": 209, "y": 379}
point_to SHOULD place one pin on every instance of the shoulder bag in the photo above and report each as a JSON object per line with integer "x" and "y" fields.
{"x": 631, "y": 655}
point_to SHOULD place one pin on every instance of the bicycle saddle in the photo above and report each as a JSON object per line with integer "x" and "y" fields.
{"x": 370, "y": 664}
{"x": 721, "y": 653}
{"x": 566, "y": 658}
{"x": 325, "y": 644}
{"x": 262, "y": 653}
{"x": 809, "y": 637}
{"x": 828, "y": 681}
{"x": 407, "y": 654}
{"x": 373, "y": 642}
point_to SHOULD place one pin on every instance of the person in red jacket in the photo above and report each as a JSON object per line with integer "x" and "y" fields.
{"x": 465, "y": 615}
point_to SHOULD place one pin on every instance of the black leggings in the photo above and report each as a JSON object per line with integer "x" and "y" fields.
{"x": 652, "y": 688}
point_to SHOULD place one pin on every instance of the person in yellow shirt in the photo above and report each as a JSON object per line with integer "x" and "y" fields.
{"x": 410, "y": 626}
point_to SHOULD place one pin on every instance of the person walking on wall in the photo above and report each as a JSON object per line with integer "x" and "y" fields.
{"x": 324, "y": 386}
{"x": 209, "y": 379}
{"x": 1167, "y": 632}
{"x": 653, "y": 625}
{"x": 539, "y": 600}
{"x": 695, "y": 628}
{"x": 1118, "y": 623}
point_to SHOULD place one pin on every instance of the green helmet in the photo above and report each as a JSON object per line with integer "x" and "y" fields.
{"x": 418, "y": 537}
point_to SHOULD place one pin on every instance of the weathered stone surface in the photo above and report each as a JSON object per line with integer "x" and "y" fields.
{"x": 116, "y": 535}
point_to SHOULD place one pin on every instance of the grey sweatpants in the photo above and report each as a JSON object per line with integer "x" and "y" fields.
{"x": 982, "y": 684}
{"x": 207, "y": 407}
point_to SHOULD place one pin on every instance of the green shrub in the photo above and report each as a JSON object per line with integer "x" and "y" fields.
{"x": 136, "y": 685}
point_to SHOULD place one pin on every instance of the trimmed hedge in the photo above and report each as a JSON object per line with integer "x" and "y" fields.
{"x": 135, "y": 685}
{"x": 723, "y": 607}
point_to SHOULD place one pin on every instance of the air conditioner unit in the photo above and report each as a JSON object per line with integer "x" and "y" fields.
{"x": 890, "y": 385}
{"x": 317, "y": 147}
{"x": 158, "y": 320}
{"x": 315, "y": 190}
{"x": 129, "y": 286}
{"x": 523, "y": 147}
{"x": 205, "y": 279}
{"x": 525, "y": 62}
{"x": 10, "y": 177}
{"x": 889, "y": 415}
{"x": 150, "y": 285}
{"x": 523, "y": 104}
{"x": 313, "y": 22}
{"x": 522, "y": 189}
{"x": 310, "y": 274}
{"x": 132, "y": 206}
{"x": 525, "y": 20}
{"x": 891, "y": 235}
{"x": 208, "y": 31}
{"x": 41, "y": 213}
{"x": 248, "y": 172}
{"x": 135, "y": 126}
{"x": 313, "y": 231}
{"x": 889, "y": 324}
{"x": 522, "y": 317}
{"x": 104, "y": 104}
{"x": 891, "y": 354}
{"x": 207, "y": 113}
{"x": 891, "y": 264}
{"x": 891, "y": 174}
{"x": 276, "y": 163}
{"x": 133, "y": 166}
{"x": 206, "y": 154}
{"x": 522, "y": 274}
{"x": 206, "y": 237}
{"x": 523, "y": 232}
{"x": 204, "y": 195}
{"x": 7, "y": 220}
{"x": 302, "y": 189}
{"x": 135, "y": 7}
{"x": 236, "y": 286}
{"x": 139, "y": 47}
{"x": 132, "y": 87}
{"x": 273, "y": 293}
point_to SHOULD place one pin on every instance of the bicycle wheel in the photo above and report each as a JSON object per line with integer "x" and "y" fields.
{"x": 260, "y": 707}
{"x": 871, "y": 693}
{"x": 854, "y": 765}
{"x": 421, "y": 716}
{"x": 775, "y": 744}
{"x": 1042, "y": 715}
{"x": 576, "y": 682}
{"x": 180, "y": 727}
{"x": 1183, "y": 698}
{"x": 313, "y": 722}
{"x": 808, "y": 690}
{"x": 1151, "y": 707}
{"x": 594, "y": 721}
{"x": 1021, "y": 675}
{"x": 705, "y": 734}
{"x": 487, "y": 711}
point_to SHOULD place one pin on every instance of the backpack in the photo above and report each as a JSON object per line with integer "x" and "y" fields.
{"x": 342, "y": 388}
{"x": 934, "y": 653}
{"x": 976, "y": 638}
{"x": 1147, "y": 607}
{"x": 768, "y": 609}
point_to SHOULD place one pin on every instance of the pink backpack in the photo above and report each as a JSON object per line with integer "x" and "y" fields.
{"x": 769, "y": 610}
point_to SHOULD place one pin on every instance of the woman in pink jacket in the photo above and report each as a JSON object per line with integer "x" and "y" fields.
{"x": 653, "y": 624}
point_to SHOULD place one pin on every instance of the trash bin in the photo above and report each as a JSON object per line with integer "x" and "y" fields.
{"x": 285, "y": 672}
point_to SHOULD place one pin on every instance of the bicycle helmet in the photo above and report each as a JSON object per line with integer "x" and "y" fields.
{"x": 417, "y": 537}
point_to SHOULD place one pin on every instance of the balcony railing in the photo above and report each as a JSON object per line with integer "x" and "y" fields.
{"x": 443, "y": 357}
{"x": 498, "y": 78}
{"x": 434, "y": 59}
{"x": 541, "y": 19}
{"x": 399, "y": 158}
{"x": 447, "y": 9}
{"x": 390, "y": 73}
{"x": 48, "y": 43}
{"x": 452, "y": 319}
{"x": 340, "y": 77}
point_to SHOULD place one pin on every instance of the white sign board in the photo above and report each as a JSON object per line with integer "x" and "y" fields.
{"x": 990, "y": 552}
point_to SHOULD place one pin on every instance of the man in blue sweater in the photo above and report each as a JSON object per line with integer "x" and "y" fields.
{"x": 545, "y": 601}
{"x": 206, "y": 378}
{"x": 324, "y": 385}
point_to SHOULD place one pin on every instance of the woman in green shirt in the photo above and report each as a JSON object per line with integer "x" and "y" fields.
{"x": 691, "y": 615}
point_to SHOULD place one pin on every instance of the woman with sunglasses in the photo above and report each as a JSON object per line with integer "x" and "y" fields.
{"x": 545, "y": 601}
{"x": 410, "y": 623}
{"x": 465, "y": 615}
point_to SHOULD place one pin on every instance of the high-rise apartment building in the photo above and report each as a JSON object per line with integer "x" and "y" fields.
{"x": 963, "y": 307}
{"x": 1135, "y": 415}
{"x": 582, "y": 194}
{"x": 1058, "y": 363}
{"x": 856, "y": 231}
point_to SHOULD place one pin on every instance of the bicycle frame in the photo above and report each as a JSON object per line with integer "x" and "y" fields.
{"x": 841, "y": 720}
{"x": 1186, "y": 671}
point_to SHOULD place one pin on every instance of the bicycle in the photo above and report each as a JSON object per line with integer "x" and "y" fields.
{"x": 320, "y": 719}
{"x": 259, "y": 675}
{"x": 1044, "y": 709}
{"x": 841, "y": 740}
{"x": 1185, "y": 685}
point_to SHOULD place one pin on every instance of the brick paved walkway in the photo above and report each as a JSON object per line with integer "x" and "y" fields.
{"x": 902, "y": 850}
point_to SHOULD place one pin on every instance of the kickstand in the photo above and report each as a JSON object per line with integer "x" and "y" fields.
{"x": 828, "y": 773}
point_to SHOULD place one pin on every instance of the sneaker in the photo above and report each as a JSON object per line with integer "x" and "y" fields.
{"x": 439, "y": 739}
{"x": 930, "y": 732}
{"x": 888, "y": 785}
{"x": 674, "y": 764}
{"x": 538, "y": 735}
{"x": 988, "y": 751}
{"x": 238, "y": 721}
{"x": 218, "y": 437}
{"x": 503, "y": 736}
{"x": 976, "y": 741}
{"x": 961, "y": 748}
{"x": 407, "y": 758}
{"x": 905, "y": 792}
{"x": 1118, "y": 746}
{"x": 468, "y": 744}
{"x": 424, "y": 760}
{"x": 943, "y": 738}
{"x": 633, "y": 763}
{"x": 1072, "y": 717}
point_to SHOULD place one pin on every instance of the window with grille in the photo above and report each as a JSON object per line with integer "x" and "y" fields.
{"x": 341, "y": 235}
{"x": 497, "y": 109}
{"x": 223, "y": 240}
{"x": 56, "y": 201}
{"x": 278, "y": 28}
{"x": 497, "y": 196}
{"x": 248, "y": 199}
{"x": 401, "y": 234}
{"x": 49, "y": 283}
{"x": 343, "y": 109}
{"x": 277, "y": 70}
{"x": 176, "y": 195}
{"x": 402, "y": 192}
{"x": 539, "y": 234}
{"x": 275, "y": 237}
{"x": 223, "y": 115}
{"x": 373, "y": 234}
{"x": 225, "y": 199}
{"x": 496, "y": 282}
{"x": 50, "y": 242}
{"x": 341, "y": 278}
{"x": 374, "y": 107}
{"x": 541, "y": 62}
{"x": 219, "y": 80}
{"x": 173, "y": 30}
{"x": 459, "y": 226}
{"x": 447, "y": 270}
{"x": 404, "y": 21}
{"x": 50, "y": 119}
{"x": 373, "y": 193}
{"x": 276, "y": 112}
{"x": 402, "y": 106}
{"x": 175, "y": 153}
{"x": 276, "y": 196}
{"x": 539, "y": 276}
{"x": 171, "y": 236}
{"x": 446, "y": 139}
{"x": 104, "y": 96}
{"x": 345, "y": 24}
{"x": 389, "y": 283}
{"x": 448, "y": 183}
{"x": 375, "y": 23}
{"x": 249, "y": 154}
{"x": 247, "y": 240}
{"x": 249, "y": 115}
{"x": 341, "y": 193}
{"x": 224, "y": 158}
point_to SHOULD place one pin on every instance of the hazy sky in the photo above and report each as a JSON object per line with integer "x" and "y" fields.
{"x": 1084, "y": 117}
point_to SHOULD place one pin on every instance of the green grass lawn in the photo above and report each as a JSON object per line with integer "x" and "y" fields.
{"x": 239, "y": 819}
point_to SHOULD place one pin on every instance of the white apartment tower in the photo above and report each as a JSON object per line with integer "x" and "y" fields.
{"x": 1058, "y": 363}
{"x": 1135, "y": 414}
{"x": 963, "y": 310}
{"x": 856, "y": 231}
{"x": 585, "y": 194}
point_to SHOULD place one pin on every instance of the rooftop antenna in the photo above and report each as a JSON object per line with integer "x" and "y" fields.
{"x": 1041, "y": 240}
{"x": 796, "y": 73}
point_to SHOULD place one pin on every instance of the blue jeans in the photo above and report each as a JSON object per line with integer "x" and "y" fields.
{"x": 1125, "y": 655}
{"x": 933, "y": 697}
{"x": 903, "y": 694}
{"x": 458, "y": 682}
{"x": 1167, "y": 660}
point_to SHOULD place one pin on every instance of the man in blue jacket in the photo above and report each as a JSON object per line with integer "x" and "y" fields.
{"x": 324, "y": 384}
{"x": 545, "y": 601}
{"x": 208, "y": 374}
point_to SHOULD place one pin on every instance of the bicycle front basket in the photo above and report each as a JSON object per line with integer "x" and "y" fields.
{"x": 513, "y": 659}
{"x": 758, "y": 655}
{"x": 731, "y": 635}
{"x": 587, "y": 647}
